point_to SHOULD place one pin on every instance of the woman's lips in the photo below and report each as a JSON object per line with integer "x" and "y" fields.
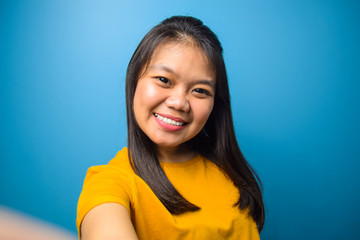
{"x": 170, "y": 117}
{"x": 169, "y": 122}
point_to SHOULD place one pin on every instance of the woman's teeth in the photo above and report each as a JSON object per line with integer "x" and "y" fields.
{"x": 168, "y": 121}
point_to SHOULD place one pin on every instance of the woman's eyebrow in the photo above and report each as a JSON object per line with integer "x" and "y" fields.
{"x": 163, "y": 67}
{"x": 206, "y": 82}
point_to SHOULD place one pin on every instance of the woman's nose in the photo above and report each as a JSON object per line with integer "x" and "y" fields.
{"x": 178, "y": 100}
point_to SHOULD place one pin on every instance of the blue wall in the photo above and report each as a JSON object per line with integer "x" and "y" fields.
{"x": 294, "y": 70}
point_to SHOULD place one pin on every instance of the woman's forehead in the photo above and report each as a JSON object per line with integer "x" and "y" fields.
{"x": 168, "y": 53}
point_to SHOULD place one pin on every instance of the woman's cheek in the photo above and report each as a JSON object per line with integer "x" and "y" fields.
{"x": 151, "y": 92}
{"x": 203, "y": 110}
{"x": 146, "y": 91}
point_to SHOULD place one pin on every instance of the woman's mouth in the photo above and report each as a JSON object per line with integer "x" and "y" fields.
{"x": 168, "y": 120}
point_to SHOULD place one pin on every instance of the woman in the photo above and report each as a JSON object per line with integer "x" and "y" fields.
{"x": 187, "y": 178}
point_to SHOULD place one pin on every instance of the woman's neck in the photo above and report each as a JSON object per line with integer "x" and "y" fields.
{"x": 175, "y": 155}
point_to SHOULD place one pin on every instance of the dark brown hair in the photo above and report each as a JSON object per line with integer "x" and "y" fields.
{"x": 217, "y": 141}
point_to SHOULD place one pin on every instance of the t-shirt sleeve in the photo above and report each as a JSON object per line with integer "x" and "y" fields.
{"x": 104, "y": 184}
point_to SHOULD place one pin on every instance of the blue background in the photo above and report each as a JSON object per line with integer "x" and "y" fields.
{"x": 294, "y": 72}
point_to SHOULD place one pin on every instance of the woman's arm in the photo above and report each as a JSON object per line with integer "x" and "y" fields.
{"x": 108, "y": 221}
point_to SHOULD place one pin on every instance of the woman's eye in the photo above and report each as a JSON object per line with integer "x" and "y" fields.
{"x": 164, "y": 80}
{"x": 202, "y": 91}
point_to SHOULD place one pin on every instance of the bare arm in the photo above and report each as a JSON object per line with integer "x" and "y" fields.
{"x": 108, "y": 221}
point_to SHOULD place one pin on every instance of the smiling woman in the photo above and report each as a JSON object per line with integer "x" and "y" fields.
{"x": 183, "y": 175}
{"x": 172, "y": 102}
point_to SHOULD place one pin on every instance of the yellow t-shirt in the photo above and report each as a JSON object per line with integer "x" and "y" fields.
{"x": 198, "y": 180}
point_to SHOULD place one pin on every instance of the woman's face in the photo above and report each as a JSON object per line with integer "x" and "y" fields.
{"x": 175, "y": 94}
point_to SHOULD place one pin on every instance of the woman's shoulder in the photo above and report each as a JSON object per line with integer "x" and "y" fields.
{"x": 121, "y": 161}
{"x": 118, "y": 167}
{"x": 113, "y": 183}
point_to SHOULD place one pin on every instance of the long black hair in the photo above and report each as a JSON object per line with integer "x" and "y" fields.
{"x": 217, "y": 141}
